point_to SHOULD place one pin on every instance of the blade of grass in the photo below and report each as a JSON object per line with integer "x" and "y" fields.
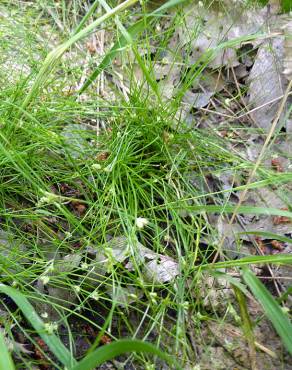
{"x": 142, "y": 65}
{"x": 267, "y": 235}
{"x": 230, "y": 208}
{"x": 53, "y": 342}
{"x": 86, "y": 17}
{"x": 276, "y": 259}
{"x": 272, "y": 309}
{"x": 127, "y": 38}
{"x": 6, "y": 362}
{"x": 109, "y": 351}
{"x": 53, "y": 57}
{"x": 246, "y": 325}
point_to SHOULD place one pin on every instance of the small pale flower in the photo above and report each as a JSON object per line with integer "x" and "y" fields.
{"x": 50, "y": 327}
{"x": 68, "y": 234}
{"x": 84, "y": 265}
{"x": 44, "y": 315}
{"x": 227, "y": 102}
{"x": 96, "y": 166}
{"x": 285, "y": 309}
{"x": 52, "y": 134}
{"x": 133, "y": 296}
{"x": 150, "y": 367}
{"x": 186, "y": 306}
{"x": 141, "y": 222}
{"x": 76, "y": 288}
{"x": 164, "y": 61}
{"x": 48, "y": 198}
{"x": 50, "y": 267}
{"x": 94, "y": 295}
{"x": 153, "y": 297}
{"x": 44, "y": 279}
{"x": 108, "y": 169}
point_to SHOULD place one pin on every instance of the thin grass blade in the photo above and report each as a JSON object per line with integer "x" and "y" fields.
{"x": 53, "y": 57}
{"x": 126, "y": 40}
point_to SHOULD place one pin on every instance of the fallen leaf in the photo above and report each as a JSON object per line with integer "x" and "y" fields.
{"x": 276, "y": 164}
{"x": 266, "y": 82}
{"x": 105, "y": 339}
{"x": 278, "y": 220}
{"x": 197, "y": 100}
{"x": 154, "y": 267}
{"x": 206, "y": 28}
{"x": 277, "y": 245}
{"x": 79, "y": 208}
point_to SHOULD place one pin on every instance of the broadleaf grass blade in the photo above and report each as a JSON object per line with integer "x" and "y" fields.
{"x": 52, "y": 341}
{"x": 272, "y": 309}
{"x": 109, "y": 351}
{"x": 6, "y": 362}
{"x": 267, "y": 235}
{"x": 284, "y": 259}
{"x": 246, "y": 326}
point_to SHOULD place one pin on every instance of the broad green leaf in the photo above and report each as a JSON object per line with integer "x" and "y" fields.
{"x": 283, "y": 259}
{"x": 241, "y": 210}
{"x": 52, "y": 341}
{"x": 286, "y": 5}
{"x": 272, "y": 309}
{"x": 246, "y": 325}
{"x": 6, "y": 362}
{"x": 268, "y": 235}
{"x": 112, "y": 350}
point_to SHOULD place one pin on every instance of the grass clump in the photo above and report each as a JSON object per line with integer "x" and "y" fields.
{"x": 94, "y": 191}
